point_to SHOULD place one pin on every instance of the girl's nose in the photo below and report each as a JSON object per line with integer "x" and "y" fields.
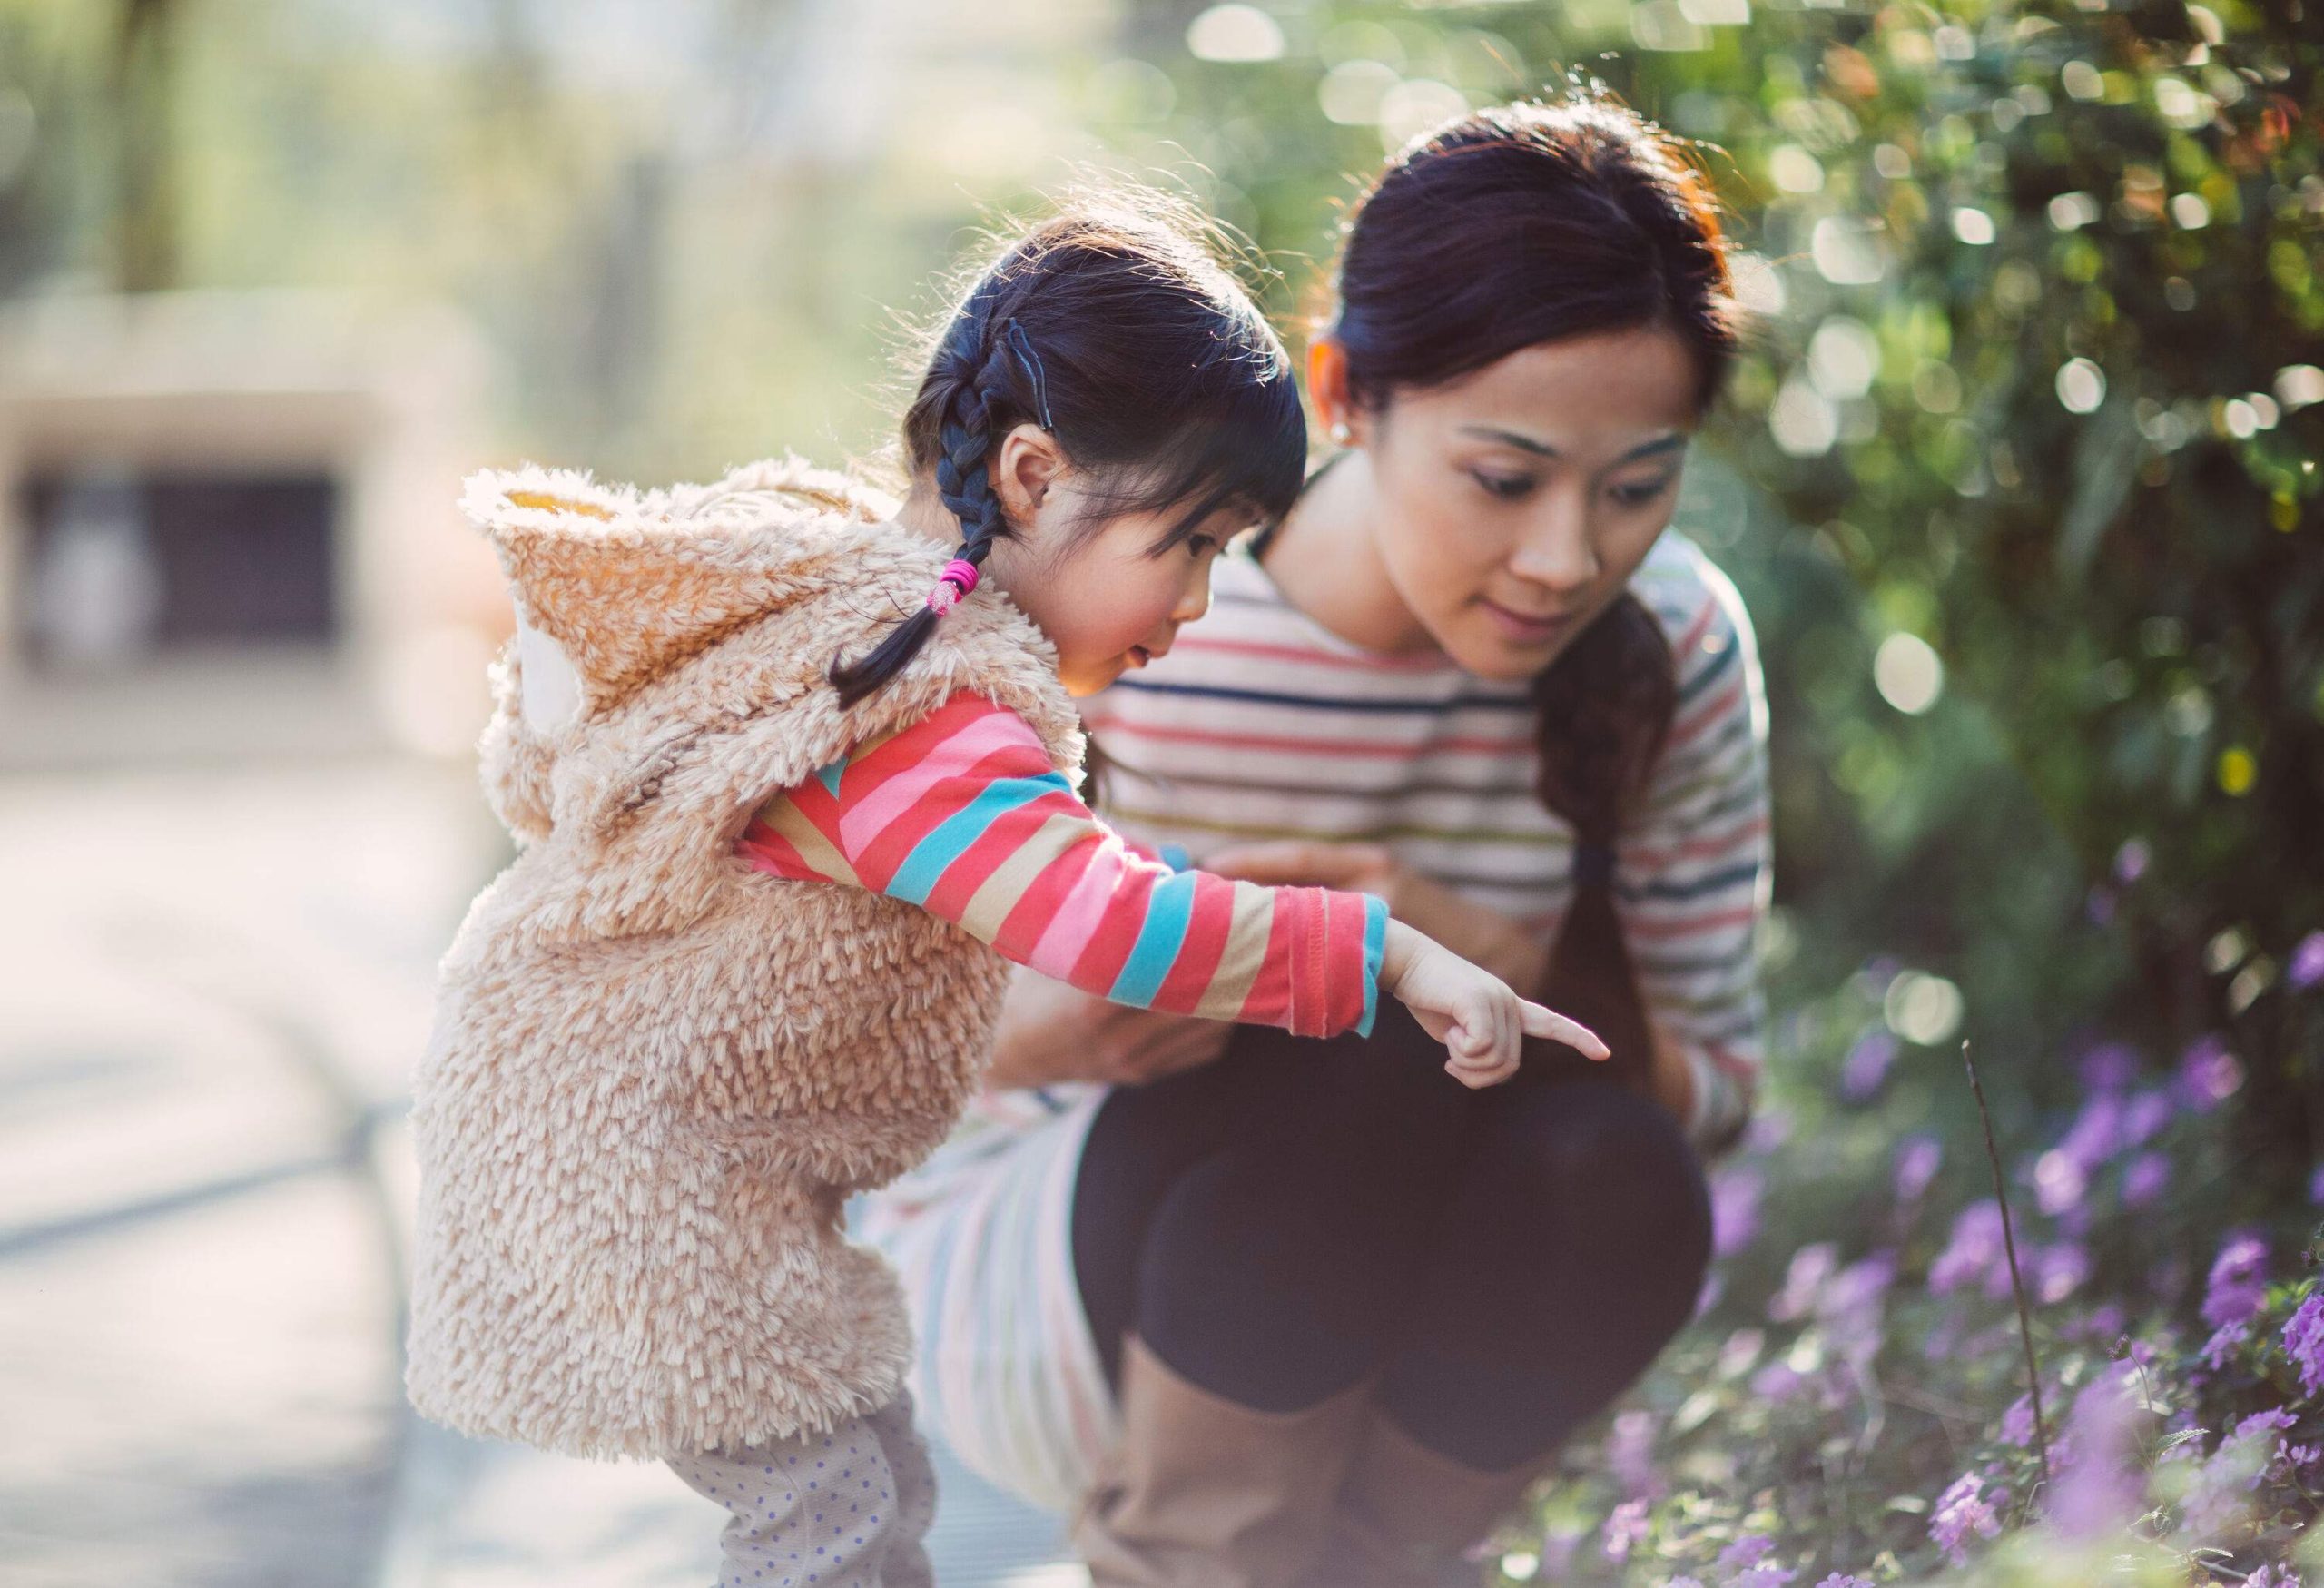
{"x": 1194, "y": 599}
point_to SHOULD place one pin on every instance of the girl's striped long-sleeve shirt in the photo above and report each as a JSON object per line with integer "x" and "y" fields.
{"x": 963, "y": 815}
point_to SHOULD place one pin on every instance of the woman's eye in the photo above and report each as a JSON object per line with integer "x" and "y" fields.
{"x": 1507, "y": 487}
{"x": 1637, "y": 495}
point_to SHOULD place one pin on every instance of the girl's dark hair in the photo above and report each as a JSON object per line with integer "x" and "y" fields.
{"x": 1510, "y": 227}
{"x": 1115, "y": 330}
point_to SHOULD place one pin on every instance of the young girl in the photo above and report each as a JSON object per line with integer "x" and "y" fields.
{"x": 778, "y": 849}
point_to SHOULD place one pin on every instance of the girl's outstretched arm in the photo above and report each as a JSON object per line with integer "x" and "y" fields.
{"x": 963, "y": 815}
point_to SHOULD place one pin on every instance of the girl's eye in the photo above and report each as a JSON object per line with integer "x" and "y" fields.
{"x": 1637, "y": 495}
{"x": 1201, "y": 546}
{"x": 1506, "y": 486}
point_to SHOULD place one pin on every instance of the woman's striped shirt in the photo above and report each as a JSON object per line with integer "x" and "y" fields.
{"x": 1261, "y": 724}
{"x": 963, "y": 815}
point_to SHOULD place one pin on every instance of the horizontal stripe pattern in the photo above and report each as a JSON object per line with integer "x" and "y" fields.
{"x": 1261, "y": 724}
{"x": 963, "y": 815}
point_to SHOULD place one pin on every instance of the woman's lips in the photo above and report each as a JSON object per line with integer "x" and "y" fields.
{"x": 1518, "y": 628}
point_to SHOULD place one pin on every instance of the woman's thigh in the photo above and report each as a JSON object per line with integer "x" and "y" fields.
{"x": 1570, "y": 1251}
{"x": 1290, "y": 1181}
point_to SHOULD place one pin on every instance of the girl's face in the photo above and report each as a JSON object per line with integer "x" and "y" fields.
{"x": 1511, "y": 507}
{"x": 1107, "y": 599}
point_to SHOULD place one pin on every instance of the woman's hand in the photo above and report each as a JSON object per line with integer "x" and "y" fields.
{"x": 1481, "y": 1024}
{"x": 1485, "y": 937}
{"x": 1050, "y": 1032}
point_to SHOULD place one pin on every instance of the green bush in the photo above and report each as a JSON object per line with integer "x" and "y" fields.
{"x": 2036, "y": 386}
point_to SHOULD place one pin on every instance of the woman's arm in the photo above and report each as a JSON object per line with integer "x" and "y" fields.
{"x": 1050, "y": 1033}
{"x": 1692, "y": 868}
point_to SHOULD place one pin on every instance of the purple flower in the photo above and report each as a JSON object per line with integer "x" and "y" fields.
{"x": 2102, "y": 1324}
{"x": 2304, "y": 1341}
{"x": 2099, "y": 1487}
{"x": 1763, "y": 1575}
{"x": 1745, "y": 1553}
{"x": 2108, "y": 1067}
{"x": 2216, "y": 1501}
{"x": 2307, "y": 968}
{"x": 2208, "y": 1074}
{"x": 2147, "y": 1177}
{"x": 1963, "y": 1510}
{"x": 1625, "y": 1530}
{"x": 1735, "y": 1209}
{"x": 1778, "y": 1382}
{"x": 2145, "y": 1117}
{"x": 1918, "y": 1157}
{"x": 1866, "y": 1065}
{"x": 2131, "y": 861}
{"x": 2059, "y": 1270}
{"x": 2060, "y": 1182}
{"x": 1974, "y": 1252}
{"x": 2096, "y": 1134}
{"x": 2100, "y": 906}
{"x": 1803, "y": 1282}
{"x": 2275, "y": 1576}
{"x": 2239, "y": 1281}
{"x": 2017, "y": 1423}
{"x": 2316, "y": 1186}
{"x": 2225, "y": 1341}
{"x": 1629, "y": 1453}
{"x": 1842, "y": 1579}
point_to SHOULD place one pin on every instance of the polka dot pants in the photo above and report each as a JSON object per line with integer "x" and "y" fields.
{"x": 845, "y": 1509}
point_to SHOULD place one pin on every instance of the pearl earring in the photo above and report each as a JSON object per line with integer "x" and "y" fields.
{"x": 1340, "y": 433}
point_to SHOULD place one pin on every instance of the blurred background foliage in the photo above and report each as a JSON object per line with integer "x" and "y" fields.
{"x": 2019, "y": 479}
{"x": 2019, "y": 475}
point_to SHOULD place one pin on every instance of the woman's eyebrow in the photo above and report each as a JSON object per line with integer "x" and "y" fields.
{"x": 1670, "y": 443}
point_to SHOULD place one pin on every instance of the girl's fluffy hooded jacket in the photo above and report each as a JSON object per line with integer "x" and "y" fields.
{"x": 656, "y": 1073}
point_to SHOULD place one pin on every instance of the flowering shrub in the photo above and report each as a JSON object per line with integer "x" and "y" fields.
{"x": 1852, "y": 1412}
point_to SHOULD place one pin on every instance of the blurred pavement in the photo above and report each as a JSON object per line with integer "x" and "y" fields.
{"x": 216, "y": 982}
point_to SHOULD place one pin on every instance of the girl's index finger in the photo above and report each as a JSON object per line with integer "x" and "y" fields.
{"x": 1547, "y": 1022}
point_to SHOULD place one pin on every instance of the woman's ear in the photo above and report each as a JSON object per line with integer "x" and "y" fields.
{"x": 1024, "y": 471}
{"x": 1327, "y": 388}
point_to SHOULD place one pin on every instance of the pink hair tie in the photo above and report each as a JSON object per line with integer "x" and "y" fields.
{"x": 958, "y": 579}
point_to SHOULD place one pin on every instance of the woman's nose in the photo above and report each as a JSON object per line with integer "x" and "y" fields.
{"x": 1558, "y": 552}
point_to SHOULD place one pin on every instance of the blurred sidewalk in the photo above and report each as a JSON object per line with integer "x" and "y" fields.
{"x": 216, "y": 983}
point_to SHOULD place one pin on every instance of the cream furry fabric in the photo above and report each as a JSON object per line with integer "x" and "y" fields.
{"x": 656, "y": 1073}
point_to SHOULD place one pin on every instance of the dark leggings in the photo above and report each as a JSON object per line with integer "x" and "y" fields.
{"x": 1300, "y": 1213}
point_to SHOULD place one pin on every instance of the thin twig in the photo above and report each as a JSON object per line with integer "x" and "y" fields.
{"x": 2017, "y": 1281}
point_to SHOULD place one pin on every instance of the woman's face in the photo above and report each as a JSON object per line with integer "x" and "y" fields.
{"x": 1512, "y": 505}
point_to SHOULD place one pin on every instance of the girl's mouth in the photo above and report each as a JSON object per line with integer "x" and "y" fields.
{"x": 1139, "y": 656}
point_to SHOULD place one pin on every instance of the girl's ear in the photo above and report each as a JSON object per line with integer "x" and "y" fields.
{"x": 1025, "y": 470}
{"x": 1328, "y": 390}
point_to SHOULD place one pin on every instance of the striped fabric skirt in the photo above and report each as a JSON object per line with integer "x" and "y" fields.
{"x": 1005, "y": 1372}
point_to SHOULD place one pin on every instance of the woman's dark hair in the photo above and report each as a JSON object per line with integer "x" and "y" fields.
{"x": 1113, "y": 328}
{"x": 1508, "y": 228}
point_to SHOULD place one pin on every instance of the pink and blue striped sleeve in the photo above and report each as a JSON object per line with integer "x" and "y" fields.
{"x": 963, "y": 814}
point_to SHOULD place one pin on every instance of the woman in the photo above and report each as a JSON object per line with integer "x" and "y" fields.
{"x": 1308, "y": 1311}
